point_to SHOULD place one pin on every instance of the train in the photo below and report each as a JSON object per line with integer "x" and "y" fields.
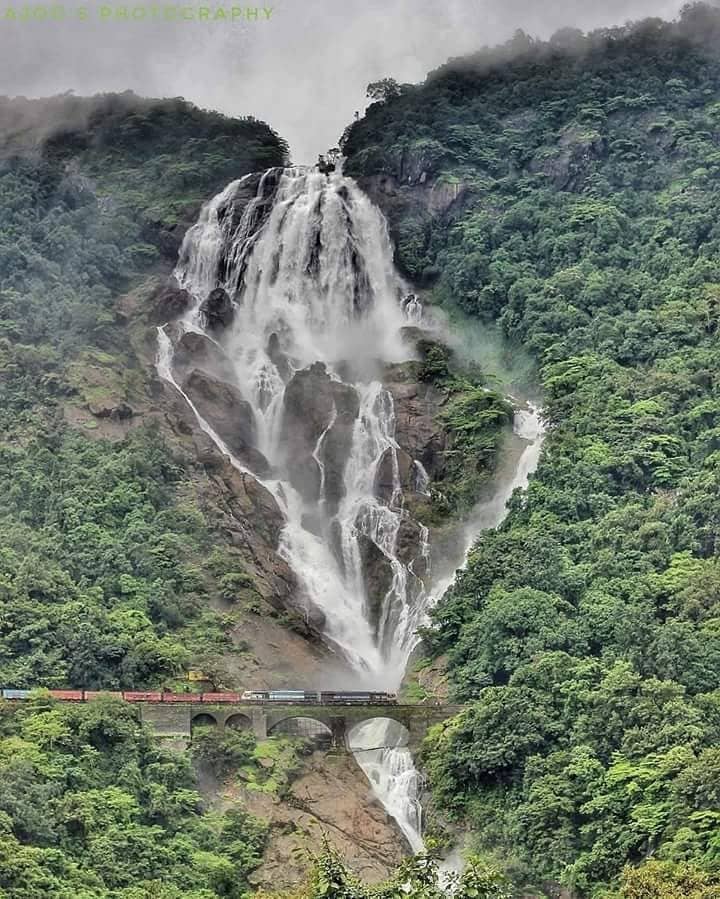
{"x": 288, "y": 697}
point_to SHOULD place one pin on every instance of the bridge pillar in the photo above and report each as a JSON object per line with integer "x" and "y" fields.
{"x": 259, "y": 724}
{"x": 338, "y": 728}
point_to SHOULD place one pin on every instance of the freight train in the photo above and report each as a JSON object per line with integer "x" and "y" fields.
{"x": 287, "y": 697}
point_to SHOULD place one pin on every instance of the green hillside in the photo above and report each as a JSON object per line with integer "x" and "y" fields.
{"x": 570, "y": 190}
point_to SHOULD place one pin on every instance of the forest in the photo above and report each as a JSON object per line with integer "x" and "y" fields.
{"x": 585, "y": 633}
{"x": 105, "y": 559}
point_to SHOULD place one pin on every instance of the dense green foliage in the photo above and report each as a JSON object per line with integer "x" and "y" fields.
{"x": 91, "y": 808}
{"x": 584, "y": 633}
{"x": 105, "y": 560}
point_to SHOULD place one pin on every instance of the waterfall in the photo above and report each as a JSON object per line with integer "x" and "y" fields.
{"x": 312, "y": 312}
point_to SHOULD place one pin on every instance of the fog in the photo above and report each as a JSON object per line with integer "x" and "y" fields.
{"x": 302, "y": 66}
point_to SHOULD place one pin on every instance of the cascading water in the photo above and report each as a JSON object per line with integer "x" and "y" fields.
{"x": 313, "y": 312}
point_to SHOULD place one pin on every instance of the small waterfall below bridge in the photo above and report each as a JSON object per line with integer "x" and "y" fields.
{"x": 309, "y": 311}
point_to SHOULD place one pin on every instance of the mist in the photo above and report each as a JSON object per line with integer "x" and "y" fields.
{"x": 303, "y": 68}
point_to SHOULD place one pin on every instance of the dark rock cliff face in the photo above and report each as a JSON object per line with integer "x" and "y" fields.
{"x": 217, "y": 310}
{"x": 314, "y": 404}
{"x": 230, "y": 416}
{"x": 418, "y": 405}
{"x": 196, "y": 351}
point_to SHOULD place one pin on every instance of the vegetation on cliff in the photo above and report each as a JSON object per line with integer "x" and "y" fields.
{"x": 569, "y": 191}
{"x": 92, "y": 808}
{"x": 105, "y": 561}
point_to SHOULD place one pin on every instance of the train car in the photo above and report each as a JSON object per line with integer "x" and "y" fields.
{"x": 361, "y": 697}
{"x": 93, "y": 694}
{"x": 294, "y": 696}
{"x": 255, "y": 696}
{"x": 181, "y": 697}
{"x": 67, "y": 695}
{"x": 15, "y": 694}
{"x": 141, "y": 697}
{"x": 220, "y": 697}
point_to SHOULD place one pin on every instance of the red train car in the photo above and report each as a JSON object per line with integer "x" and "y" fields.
{"x": 67, "y": 695}
{"x": 142, "y": 697}
{"x": 220, "y": 697}
{"x": 181, "y": 697}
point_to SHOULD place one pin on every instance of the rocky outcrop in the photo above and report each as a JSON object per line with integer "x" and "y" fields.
{"x": 230, "y": 416}
{"x": 314, "y": 404}
{"x": 417, "y": 429}
{"x": 572, "y": 158}
{"x": 197, "y": 351}
{"x": 358, "y": 826}
{"x": 217, "y": 310}
{"x": 278, "y": 357}
{"x": 169, "y": 303}
{"x": 337, "y": 444}
{"x": 385, "y": 474}
{"x": 377, "y": 576}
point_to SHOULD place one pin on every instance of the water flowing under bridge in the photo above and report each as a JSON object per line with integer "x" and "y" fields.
{"x": 175, "y": 722}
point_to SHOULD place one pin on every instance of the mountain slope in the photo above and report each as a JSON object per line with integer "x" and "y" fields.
{"x": 568, "y": 190}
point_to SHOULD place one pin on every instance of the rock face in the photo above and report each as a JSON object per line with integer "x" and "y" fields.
{"x": 377, "y": 575}
{"x": 385, "y": 475}
{"x": 193, "y": 350}
{"x": 314, "y": 405}
{"x": 230, "y": 416}
{"x": 358, "y": 826}
{"x": 169, "y": 303}
{"x": 217, "y": 310}
{"x": 576, "y": 151}
{"x": 417, "y": 406}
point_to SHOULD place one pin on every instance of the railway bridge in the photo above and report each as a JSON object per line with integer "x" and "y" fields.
{"x": 175, "y": 721}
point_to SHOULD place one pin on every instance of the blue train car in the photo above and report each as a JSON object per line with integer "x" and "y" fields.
{"x": 15, "y": 694}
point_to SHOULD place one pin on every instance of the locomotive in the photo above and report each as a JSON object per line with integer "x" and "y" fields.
{"x": 287, "y": 697}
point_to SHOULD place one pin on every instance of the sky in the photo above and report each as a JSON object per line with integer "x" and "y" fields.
{"x": 302, "y": 65}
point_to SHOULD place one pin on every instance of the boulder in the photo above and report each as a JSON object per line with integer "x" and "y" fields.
{"x": 193, "y": 350}
{"x": 217, "y": 310}
{"x": 230, "y": 416}
{"x": 169, "y": 303}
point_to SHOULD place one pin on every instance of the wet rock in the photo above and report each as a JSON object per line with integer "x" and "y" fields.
{"x": 337, "y": 444}
{"x": 417, "y": 428}
{"x": 408, "y": 547}
{"x": 378, "y": 577}
{"x": 251, "y": 502}
{"x": 217, "y": 310}
{"x": 567, "y": 167}
{"x": 169, "y": 303}
{"x": 230, "y": 416}
{"x": 278, "y": 357}
{"x": 193, "y": 350}
{"x": 312, "y": 400}
{"x": 385, "y": 474}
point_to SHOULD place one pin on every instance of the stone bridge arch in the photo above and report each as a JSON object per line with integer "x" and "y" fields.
{"x": 203, "y": 719}
{"x": 309, "y": 727}
{"x": 238, "y": 721}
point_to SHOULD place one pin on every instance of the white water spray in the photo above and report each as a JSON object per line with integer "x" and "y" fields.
{"x": 307, "y": 263}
